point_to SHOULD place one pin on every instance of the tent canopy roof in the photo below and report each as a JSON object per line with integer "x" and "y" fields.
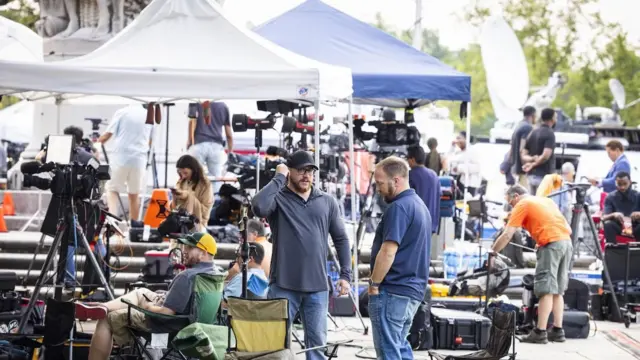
{"x": 18, "y": 42}
{"x": 188, "y": 48}
{"x": 383, "y": 67}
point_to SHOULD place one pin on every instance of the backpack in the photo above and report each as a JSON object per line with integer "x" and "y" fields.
{"x": 421, "y": 332}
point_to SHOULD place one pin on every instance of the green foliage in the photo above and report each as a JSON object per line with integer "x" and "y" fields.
{"x": 23, "y": 12}
{"x": 550, "y": 33}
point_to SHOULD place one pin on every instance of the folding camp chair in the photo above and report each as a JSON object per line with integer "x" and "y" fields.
{"x": 501, "y": 338}
{"x": 191, "y": 330}
{"x": 261, "y": 329}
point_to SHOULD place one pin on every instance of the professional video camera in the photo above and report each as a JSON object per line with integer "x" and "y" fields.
{"x": 178, "y": 222}
{"x": 72, "y": 180}
{"x": 244, "y": 167}
{"x": 389, "y": 131}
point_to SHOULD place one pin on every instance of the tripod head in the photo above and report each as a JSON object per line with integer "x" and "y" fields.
{"x": 579, "y": 188}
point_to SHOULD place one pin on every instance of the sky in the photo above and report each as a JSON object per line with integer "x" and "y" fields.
{"x": 445, "y": 16}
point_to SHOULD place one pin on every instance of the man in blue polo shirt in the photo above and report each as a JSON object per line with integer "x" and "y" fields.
{"x": 400, "y": 260}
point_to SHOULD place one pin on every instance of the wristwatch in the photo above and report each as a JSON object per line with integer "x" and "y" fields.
{"x": 373, "y": 284}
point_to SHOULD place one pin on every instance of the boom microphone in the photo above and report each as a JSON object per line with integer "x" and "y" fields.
{"x": 30, "y": 168}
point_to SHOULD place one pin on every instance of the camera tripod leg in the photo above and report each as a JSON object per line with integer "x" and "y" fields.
{"x": 95, "y": 264}
{"x": 33, "y": 260}
{"x": 39, "y": 282}
{"x": 599, "y": 254}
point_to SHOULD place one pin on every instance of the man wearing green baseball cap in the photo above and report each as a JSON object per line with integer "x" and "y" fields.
{"x": 198, "y": 250}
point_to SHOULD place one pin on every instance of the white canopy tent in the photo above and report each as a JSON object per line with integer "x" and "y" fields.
{"x": 18, "y": 42}
{"x": 183, "y": 49}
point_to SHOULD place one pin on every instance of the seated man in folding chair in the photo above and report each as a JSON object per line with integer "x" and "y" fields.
{"x": 257, "y": 282}
{"x": 197, "y": 255}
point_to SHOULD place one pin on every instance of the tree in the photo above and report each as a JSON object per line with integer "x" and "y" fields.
{"x": 22, "y": 12}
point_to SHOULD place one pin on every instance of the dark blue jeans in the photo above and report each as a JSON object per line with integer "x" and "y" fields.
{"x": 313, "y": 308}
{"x": 391, "y": 316}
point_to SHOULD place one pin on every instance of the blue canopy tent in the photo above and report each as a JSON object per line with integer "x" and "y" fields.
{"x": 386, "y": 71}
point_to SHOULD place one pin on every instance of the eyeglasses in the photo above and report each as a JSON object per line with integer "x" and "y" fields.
{"x": 305, "y": 171}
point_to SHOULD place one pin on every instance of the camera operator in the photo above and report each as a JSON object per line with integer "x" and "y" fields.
{"x": 426, "y": 184}
{"x": 193, "y": 190}
{"x": 301, "y": 218}
{"x": 541, "y": 217}
{"x": 81, "y": 156}
{"x": 132, "y": 138}
{"x": 197, "y": 252}
{"x": 621, "y": 210}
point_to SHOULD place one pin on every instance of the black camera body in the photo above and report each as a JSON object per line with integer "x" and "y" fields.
{"x": 178, "y": 222}
{"x": 389, "y": 133}
{"x": 72, "y": 180}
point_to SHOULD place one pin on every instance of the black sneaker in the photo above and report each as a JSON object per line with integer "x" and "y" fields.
{"x": 535, "y": 337}
{"x": 556, "y": 335}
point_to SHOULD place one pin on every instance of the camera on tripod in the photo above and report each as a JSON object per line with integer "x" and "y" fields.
{"x": 390, "y": 132}
{"x": 71, "y": 180}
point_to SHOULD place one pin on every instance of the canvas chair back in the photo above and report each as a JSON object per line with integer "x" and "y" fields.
{"x": 259, "y": 325}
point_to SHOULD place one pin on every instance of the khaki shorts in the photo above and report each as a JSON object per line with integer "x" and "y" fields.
{"x": 522, "y": 180}
{"x": 552, "y": 268}
{"x": 118, "y": 315}
{"x": 126, "y": 179}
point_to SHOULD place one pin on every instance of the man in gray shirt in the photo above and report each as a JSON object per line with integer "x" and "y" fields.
{"x": 301, "y": 218}
{"x": 197, "y": 252}
{"x": 205, "y": 141}
{"x": 518, "y": 140}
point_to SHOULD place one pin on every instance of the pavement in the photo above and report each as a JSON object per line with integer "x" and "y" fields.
{"x": 607, "y": 340}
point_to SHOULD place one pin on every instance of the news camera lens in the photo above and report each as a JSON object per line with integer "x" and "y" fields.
{"x": 239, "y": 122}
{"x": 37, "y": 182}
{"x": 288, "y": 124}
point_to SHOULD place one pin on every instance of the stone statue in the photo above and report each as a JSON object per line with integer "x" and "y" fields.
{"x": 75, "y": 27}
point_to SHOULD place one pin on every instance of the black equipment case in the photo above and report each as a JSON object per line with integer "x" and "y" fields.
{"x": 459, "y": 330}
{"x": 421, "y": 333}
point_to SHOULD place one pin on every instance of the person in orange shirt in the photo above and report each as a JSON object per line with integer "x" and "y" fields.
{"x": 541, "y": 217}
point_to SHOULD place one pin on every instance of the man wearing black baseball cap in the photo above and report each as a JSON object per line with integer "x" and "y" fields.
{"x": 301, "y": 218}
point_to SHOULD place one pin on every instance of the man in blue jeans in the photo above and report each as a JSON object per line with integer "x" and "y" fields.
{"x": 400, "y": 260}
{"x": 301, "y": 218}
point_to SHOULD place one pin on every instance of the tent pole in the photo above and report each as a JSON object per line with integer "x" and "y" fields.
{"x": 352, "y": 183}
{"x": 466, "y": 174}
{"x": 316, "y": 139}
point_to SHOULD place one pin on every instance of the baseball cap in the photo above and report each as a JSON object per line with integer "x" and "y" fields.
{"x": 301, "y": 159}
{"x": 201, "y": 240}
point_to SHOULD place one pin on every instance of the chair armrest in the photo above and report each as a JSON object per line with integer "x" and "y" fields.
{"x": 155, "y": 315}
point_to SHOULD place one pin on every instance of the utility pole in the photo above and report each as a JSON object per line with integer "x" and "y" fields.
{"x": 417, "y": 26}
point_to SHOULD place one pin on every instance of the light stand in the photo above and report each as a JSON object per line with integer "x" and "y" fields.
{"x": 258, "y": 145}
{"x": 244, "y": 248}
{"x": 580, "y": 207}
{"x": 166, "y": 145}
{"x": 351, "y": 296}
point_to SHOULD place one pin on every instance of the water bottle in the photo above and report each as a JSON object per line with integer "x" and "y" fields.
{"x": 450, "y": 263}
{"x": 467, "y": 255}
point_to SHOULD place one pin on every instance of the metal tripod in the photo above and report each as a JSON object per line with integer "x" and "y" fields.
{"x": 60, "y": 244}
{"x": 580, "y": 207}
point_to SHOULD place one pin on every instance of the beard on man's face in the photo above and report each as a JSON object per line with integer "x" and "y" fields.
{"x": 301, "y": 185}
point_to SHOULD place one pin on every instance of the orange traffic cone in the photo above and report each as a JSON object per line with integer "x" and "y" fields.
{"x": 3, "y": 225}
{"x": 158, "y": 209}
{"x": 7, "y": 204}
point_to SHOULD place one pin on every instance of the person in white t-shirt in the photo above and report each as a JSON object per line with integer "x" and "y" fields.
{"x": 128, "y": 161}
